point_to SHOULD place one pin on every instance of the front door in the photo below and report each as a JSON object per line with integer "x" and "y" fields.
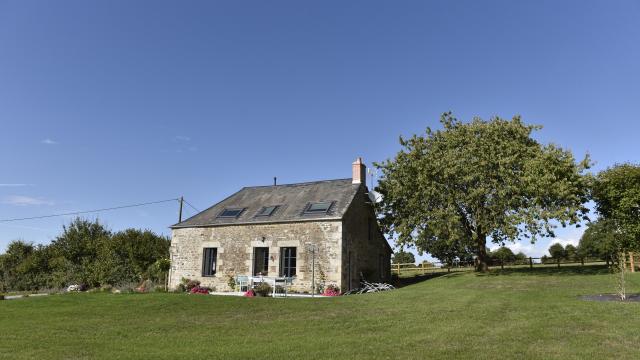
{"x": 260, "y": 261}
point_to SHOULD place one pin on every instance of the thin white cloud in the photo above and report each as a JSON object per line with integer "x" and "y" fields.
{"x": 14, "y": 185}
{"x": 20, "y": 200}
{"x": 181, "y": 138}
{"x": 48, "y": 141}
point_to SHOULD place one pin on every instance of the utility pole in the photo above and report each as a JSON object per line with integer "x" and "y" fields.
{"x": 180, "y": 212}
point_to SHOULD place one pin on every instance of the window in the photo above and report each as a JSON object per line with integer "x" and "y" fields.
{"x": 318, "y": 208}
{"x": 267, "y": 211}
{"x": 209, "y": 258}
{"x": 260, "y": 261}
{"x": 288, "y": 261}
{"x": 231, "y": 213}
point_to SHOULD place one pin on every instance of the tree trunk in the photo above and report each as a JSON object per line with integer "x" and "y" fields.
{"x": 481, "y": 260}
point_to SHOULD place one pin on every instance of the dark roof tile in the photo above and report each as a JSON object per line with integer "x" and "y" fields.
{"x": 292, "y": 199}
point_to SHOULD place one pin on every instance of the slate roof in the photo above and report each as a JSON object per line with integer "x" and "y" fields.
{"x": 291, "y": 199}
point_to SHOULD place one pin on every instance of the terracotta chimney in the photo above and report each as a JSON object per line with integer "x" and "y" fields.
{"x": 359, "y": 172}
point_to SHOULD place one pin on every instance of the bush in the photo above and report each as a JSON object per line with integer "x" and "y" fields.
{"x": 263, "y": 289}
{"x": 200, "y": 290}
{"x": 189, "y": 284}
{"x": 250, "y": 293}
{"x": 331, "y": 290}
{"x": 231, "y": 282}
{"x": 145, "y": 286}
{"x": 1, "y": 296}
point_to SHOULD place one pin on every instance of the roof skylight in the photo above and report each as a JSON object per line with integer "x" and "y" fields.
{"x": 267, "y": 210}
{"x": 231, "y": 212}
{"x": 318, "y": 208}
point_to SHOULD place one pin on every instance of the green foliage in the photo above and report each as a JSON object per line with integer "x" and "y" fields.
{"x": 478, "y": 180}
{"x": 598, "y": 240}
{"x": 85, "y": 253}
{"x": 448, "y": 251}
{"x": 521, "y": 257}
{"x": 403, "y": 257}
{"x": 571, "y": 252}
{"x": 557, "y": 251}
{"x": 231, "y": 281}
{"x": 263, "y": 289}
{"x": 617, "y": 195}
{"x": 502, "y": 255}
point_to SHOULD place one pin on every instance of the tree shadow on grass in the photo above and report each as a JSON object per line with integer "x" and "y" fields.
{"x": 567, "y": 270}
{"x": 406, "y": 281}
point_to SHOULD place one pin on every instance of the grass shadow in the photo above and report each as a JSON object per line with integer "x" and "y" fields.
{"x": 406, "y": 281}
{"x": 551, "y": 271}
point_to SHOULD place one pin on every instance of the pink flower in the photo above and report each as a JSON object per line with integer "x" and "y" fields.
{"x": 250, "y": 293}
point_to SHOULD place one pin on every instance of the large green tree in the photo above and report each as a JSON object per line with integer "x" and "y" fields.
{"x": 470, "y": 182}
{"x": 598, "y": 241}
{"x": 403, "y": 257}
{"x": 557, "y": 251}
{"x": 617, "y": 195}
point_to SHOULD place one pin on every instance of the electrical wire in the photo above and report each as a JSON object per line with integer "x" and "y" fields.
{"x": 193, "y": 207}
{"x": 88, "y": 211}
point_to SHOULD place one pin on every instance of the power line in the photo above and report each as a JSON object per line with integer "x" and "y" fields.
{"x": 88, "y": 211}
{"x": 193, "y": 207}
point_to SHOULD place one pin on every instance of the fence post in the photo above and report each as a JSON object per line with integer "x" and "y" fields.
{"x": 422, "y": 265}
{"x": 558, "y": 263}
{"x": 502, "y": 264}
{"x": 582, "y": 261}
{"x": 530, "y": 262}
{"x": 633, "y": 266}
{"x": 398, "y": 265}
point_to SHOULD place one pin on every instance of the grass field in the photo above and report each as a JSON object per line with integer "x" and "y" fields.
{"x": 510, "y": 314}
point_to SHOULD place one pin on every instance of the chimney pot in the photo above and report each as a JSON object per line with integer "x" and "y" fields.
{"x": 359, "y": 171}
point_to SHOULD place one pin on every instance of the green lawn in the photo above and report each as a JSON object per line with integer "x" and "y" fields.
{"x": 510, "y": 314}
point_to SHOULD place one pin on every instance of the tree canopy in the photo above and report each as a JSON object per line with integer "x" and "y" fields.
{"x": 472, "y": 181}
{"x": 617, "y": 195}
{"x": 403, "y": 257}
{"x": 86, "y": 252}
{"x": 598, "y": 240}
{"x": 557, "y": 251}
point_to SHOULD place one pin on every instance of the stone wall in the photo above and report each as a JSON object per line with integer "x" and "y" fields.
{"x": 235, "y": 244}
{"x": 365, "y": 249}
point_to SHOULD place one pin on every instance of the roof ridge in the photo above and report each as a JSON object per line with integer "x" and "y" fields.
{"x": 296, "y": 184}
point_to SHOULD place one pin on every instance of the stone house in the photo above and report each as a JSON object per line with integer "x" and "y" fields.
{"x": 271, "y": 231}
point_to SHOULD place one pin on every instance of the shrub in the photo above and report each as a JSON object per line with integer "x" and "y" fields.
{"x": 191, "y": 284}
{"x": 331, "y": 290}
{"x": 1, "y": 296}
{"x": 231, "y": 282}
{"x": 145, "y": 286}
{"x": 263, "y": 289}
{"x": 200, "y": 290}
{"x": 250, "y": 293}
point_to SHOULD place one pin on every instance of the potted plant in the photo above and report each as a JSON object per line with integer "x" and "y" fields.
{"x": 263, "y": 289}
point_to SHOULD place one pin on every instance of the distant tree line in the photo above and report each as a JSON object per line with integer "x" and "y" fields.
{"x": 599, "y": 241}
{"x": 85, "y": 253}
{"x": 502, "y": 255}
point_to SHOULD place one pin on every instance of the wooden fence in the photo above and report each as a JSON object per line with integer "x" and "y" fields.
{"x": 531, "y": 262}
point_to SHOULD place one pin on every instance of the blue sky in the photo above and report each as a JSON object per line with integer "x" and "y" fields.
{"x": 117, "y": 102}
